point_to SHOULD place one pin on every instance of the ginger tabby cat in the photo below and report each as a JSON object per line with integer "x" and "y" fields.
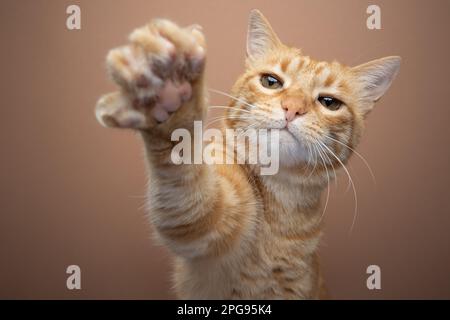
{"x": 237, "y": 234}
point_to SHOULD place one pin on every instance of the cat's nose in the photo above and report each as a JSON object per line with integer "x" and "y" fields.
{"x": 293, "y": 108}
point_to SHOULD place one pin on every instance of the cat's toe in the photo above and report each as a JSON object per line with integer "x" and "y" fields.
{"x": 156, "y": 73}
{"x": 130, "y": 68}
{"x": 115, "y": 110}
{"x": 174, "y": 52}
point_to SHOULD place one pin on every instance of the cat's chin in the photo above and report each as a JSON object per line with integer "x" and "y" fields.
{"x": 292, "y": 151}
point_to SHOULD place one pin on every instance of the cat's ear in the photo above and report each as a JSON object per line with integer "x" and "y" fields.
{"x": 260, "y": 37}
{"x": 375, "y": 78}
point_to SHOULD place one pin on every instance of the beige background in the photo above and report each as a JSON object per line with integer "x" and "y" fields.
{"x": 71, "y": 192}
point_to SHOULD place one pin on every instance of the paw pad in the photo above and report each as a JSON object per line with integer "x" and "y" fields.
{"x": 156, "y": 71}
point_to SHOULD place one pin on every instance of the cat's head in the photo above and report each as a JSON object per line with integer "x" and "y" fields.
{"x": 318, "y": 106}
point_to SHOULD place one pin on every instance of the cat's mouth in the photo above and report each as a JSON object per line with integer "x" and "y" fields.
{"x": 294, "y": 138}
{"x": 287, "y": 135}
{"x": 289, "y": 131}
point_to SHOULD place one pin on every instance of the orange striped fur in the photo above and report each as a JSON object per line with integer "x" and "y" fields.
{"x": 236, "y": 234}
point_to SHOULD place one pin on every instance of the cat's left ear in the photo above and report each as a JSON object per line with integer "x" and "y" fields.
{"x": 375, "y": 78}
{"x": 260, "y": 37}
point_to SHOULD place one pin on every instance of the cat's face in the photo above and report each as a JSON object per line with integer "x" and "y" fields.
{"x": 319, "y": 107}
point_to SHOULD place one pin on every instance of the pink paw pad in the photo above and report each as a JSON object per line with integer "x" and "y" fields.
{"x": 159, "y": 113}
{"x": 170, "y": 98}
{"x": 185, "y": 91}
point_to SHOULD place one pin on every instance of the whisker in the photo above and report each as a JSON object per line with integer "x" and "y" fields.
{"x": 312, "y": 159}
{"x": 255, "y": 115}
{"x": 230, "y": 117}
{"x": 309, "y": 157}
{"x": 351, "y": 181}
{"x": 232, "y": 108}
{"x": 232, "y": 97}
{"x": 331, "y": 163}
{"x": 328, "y": 182}
{"x": 315, "y": 161}
{"x": 357, "y": 153}
{"x": 213, "y": 121}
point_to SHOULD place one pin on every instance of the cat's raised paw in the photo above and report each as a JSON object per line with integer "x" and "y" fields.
{"x": 156, "y": 72}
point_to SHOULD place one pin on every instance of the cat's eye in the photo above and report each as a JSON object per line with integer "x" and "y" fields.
{"x": 270, "y": 81}
{"x": 330, "y": 103}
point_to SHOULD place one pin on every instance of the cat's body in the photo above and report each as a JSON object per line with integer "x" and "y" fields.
{"x": 237, "y": 233}
{"x": 275, "y": 257}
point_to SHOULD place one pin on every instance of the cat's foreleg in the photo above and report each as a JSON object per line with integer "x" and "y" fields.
{"x": 197, "y": 209}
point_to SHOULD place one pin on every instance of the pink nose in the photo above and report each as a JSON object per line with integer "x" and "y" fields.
{"x": 293, "y": 106}
{"x": 292, "y": 113}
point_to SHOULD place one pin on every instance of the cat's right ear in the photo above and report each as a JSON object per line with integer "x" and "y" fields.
{"x": 374, "y": 79}
{"x": 260, "y": 37}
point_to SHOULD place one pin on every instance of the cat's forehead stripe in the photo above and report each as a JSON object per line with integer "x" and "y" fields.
{"x": 344, "y": 87}
{"x": 285, "y": 63}
{"x": 308, "y": 64}
{"x": 301, "y": 62}
{"x": 330, "y": 80}
{"x": 319, "y": 68}
{"x": 301, "y": 68}
{"x": 293, "y": 64}
{"x": 296, "y": 64}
